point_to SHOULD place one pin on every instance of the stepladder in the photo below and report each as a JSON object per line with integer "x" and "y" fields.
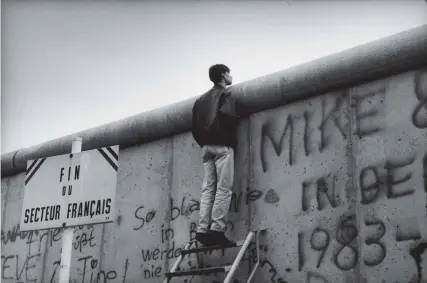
{"x": 193, "y": 247}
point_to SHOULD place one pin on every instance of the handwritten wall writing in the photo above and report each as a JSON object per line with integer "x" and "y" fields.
{"x": 360, "y": 221}
{"x": 416, "y": 253}
{"x": 333, "y": 118}
{"x": 325, "y": 190}
{"x": 144, "y": 219}
{"x": 425, "y": 172}
{"x": 370, "y": 190}
{"x": 376, "y": 240}
{"x": 92, "y": 273}
{"x": 266, "y": 134}
{"x": 83, "y": 236}
{"x": 186, "y": 206}
{"x": 279, "y": 135}
{"x": 320, "y": 240}
{"x": 365, "y": 118}
{"x": 419, "y": 116}
{"x": 20, "y": 268}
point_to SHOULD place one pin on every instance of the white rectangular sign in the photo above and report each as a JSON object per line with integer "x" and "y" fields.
{"x": 70, "y": 189}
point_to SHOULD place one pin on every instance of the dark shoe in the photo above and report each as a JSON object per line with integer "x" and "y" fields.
{"x": 204, "y": 238}
{"x": 219, "y": 238}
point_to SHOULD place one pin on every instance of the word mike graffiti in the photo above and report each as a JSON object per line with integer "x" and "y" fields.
{"x": 89, "y": 208}
{"x": 318, "y": 127}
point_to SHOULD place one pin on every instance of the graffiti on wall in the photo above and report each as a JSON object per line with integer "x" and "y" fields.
{"x": 346, "y": 242}
{"x": 340, "y": 243}
{"x": 25, "y": 267}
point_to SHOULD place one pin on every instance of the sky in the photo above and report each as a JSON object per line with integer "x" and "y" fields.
{"x": 72, "y": 65}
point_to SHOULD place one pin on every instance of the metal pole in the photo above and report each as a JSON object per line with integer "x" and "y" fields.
{"x": 239, "y": 257}
{"x": 178, "y": 261}
{"x": 257, "y": 257}
{"x": 67, "y": 234}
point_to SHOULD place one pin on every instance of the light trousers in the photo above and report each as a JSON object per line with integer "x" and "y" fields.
{"x": 218, "y": 163}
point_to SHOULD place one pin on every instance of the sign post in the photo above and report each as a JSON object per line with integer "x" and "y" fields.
{"x": 70, "y": 190}
{"x": 67, "y": 234}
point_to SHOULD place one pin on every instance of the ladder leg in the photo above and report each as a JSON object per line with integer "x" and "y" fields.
{"x": 239, "y": 257}
{"x": 257, "y": 258}
{"x": 197, "y": 255}
{"x": 178, "y": 262}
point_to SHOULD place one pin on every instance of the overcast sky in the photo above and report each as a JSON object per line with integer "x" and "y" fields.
{"x": 68, "y": 66}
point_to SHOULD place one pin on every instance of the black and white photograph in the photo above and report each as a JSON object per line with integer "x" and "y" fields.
{"x": 213, "y": 141}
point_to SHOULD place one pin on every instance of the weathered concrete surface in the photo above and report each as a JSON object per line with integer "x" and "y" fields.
{"x": 339, "y": 180}
{"x": 349, "y": 167}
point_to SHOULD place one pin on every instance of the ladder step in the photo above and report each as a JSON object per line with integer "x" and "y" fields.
{"x": 212, "y": 248}
{"x": 202, "y": 271}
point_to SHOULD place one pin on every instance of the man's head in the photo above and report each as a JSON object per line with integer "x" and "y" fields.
{"x": 220, "y": 74}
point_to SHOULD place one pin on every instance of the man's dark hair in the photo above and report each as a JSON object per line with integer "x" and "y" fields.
{"x": 216, "y": 71}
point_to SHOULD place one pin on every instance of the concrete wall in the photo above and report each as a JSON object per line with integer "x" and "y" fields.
{"x": 339, "y": 179}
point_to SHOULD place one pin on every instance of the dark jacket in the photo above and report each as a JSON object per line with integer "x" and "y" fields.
{"x": 215, "y": 118}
